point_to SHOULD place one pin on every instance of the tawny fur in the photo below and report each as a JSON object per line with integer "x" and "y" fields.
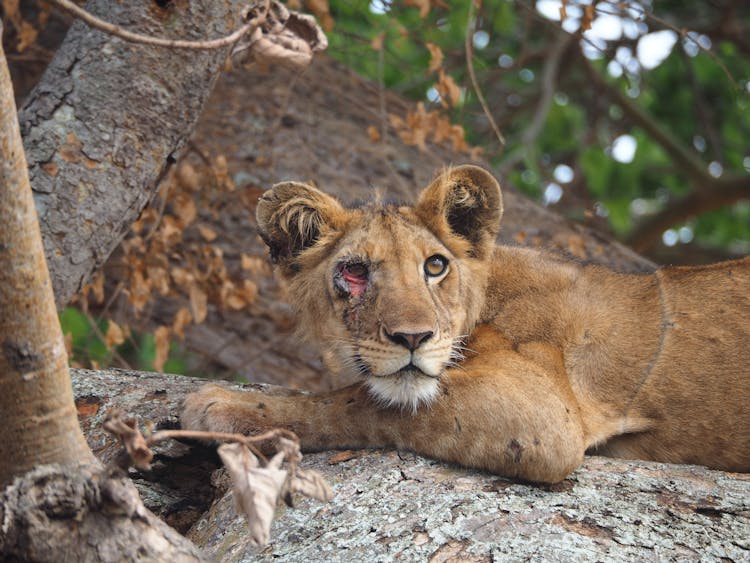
{"x": 560, "y": 358}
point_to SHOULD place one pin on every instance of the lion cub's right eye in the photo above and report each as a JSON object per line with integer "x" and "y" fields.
{"x": 353, "y": 278}
{"x": 435, "y": 265}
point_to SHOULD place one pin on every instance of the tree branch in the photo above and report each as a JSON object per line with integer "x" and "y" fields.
{"x": 694, "y": 170}
{"x": 472, "y": 75}
{"x": 723, "y": 191}
{"x": 105, "y": 122}
{"x": 117, "y": 31}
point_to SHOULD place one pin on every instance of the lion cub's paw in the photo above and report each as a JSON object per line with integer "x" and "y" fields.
{"x": 215, "y": 409}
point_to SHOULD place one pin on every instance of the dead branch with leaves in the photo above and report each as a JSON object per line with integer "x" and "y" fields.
{"x": 258, "y": 483}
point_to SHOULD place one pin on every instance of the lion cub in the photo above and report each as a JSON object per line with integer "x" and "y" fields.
{"x": 500, "y": 358}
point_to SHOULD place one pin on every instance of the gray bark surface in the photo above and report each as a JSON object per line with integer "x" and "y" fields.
{"x": 106, "y": 120}
{"x": 58, "y": 514}
{"x": 398, "y": 506}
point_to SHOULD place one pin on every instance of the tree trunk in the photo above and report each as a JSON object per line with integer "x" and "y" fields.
{"x": 60, "y": 504}
{"x": 399, "y": 506}
{"x": 107, "y": 119}
{"x": 38, "y": 422}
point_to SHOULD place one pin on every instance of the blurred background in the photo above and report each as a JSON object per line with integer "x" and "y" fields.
{"x": 631, "y": 118}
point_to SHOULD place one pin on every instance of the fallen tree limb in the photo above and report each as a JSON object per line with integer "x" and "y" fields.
{"x": 390, "y": 504}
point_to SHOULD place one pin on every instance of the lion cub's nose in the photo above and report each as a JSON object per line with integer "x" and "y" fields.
{"x": 409, "y": 340}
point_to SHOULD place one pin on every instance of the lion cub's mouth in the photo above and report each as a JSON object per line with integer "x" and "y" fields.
{"x": 411, "y": 370}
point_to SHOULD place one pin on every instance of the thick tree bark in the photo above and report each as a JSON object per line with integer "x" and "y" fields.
{"x": 107, "y": 119}
{"x": 60, "y": 504}
{"x": 400, "y": 506}
{"x": 37, "y": 417}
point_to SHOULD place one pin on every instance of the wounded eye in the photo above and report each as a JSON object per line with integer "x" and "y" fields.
{"x": 355, "y": 272}
{"x": 435, "y": 265}
{"x": 353, "y": 278}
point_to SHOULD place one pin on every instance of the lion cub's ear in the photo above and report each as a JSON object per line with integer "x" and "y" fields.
{"x": 465, "y": 201}
{"x": 291, "y": 217}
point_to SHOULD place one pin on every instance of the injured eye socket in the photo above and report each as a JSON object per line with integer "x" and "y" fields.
{"x": 356, "y": 271}
{"x": 352, "y": 278}
{"x": 435, "y": 265}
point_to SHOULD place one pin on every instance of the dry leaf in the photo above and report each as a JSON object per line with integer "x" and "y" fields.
{"x": 198, "y": 304}
{"x": 187, "y": 177}
{"x": 161, "y": 338}
{"x": 447, "y": 88}
{"x": 322, "y": 12}
{"x": 374, "y": 133}
{"x": 181, "y": 277}
{"x": 114, "y": 336}
{"x": 128, "y": 433}
{"x": 184, "y": 209}
{"x": 423, "y": 5}
{"x": 304, "y": 481}
{"x": 139, "y": 292}
{"x": 285, "y": 38}
{"x": 588, "y": 17}
{"x": 377, "y": 41}
{"x": 256, "y": 489}
{"x": 181, "y": 320}
{"x": 311, "y": 484}
{"x": 340, "y": 457}
{"x": 207, "y": 233}
{"x": 436, "y": 57}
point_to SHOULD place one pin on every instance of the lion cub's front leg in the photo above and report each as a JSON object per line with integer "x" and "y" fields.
{"x": 500, "y": 412}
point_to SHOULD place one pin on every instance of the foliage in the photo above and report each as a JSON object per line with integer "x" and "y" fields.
{"x": 698, "y": 95}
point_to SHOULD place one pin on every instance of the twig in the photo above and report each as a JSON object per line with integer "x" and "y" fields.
{"x": 98, "y": 333}
{"x": 473, "y": 76}
{"x": 693, "y": 168}
{"x": 683, "y": 33}
{"x": 721, "y": 192}
{"x": 549, "y": 76}
{"x": 112, "y": 29}
{"x": 248, "y": 441}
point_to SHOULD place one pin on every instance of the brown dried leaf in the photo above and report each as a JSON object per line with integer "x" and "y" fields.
{"x": 311, "y": 484}
{"x": 447, "y": 88}
{"x": 181, "y": 320}
{"x": 198, "y": 304}
{"x": 588, "y": 17}
{"x": 181, "y": 277}
{"x": 208, "y": 234}
{"x": 184, "y": 209}
{"x": 436, "y": 57}
{"x": 305, "y": 481}
{"x": 377, "y": 41}
{"x": 423, "y": 5}
{"x": 256, "y": 489}
{"x": 161, "y": 338}
{"x": 187, "y": 177}
{"x": 114, "y": 336}
{"x": 374, "y": 133}
{"x": 286, "y": 38}
{"x": 126, "y": 430}
{"x": 340, "y": 457}
{"x": 139, "y": 292}
{"x": 322, "y": 12}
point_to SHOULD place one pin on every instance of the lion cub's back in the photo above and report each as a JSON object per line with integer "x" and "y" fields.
{"x": 700, "y": 384}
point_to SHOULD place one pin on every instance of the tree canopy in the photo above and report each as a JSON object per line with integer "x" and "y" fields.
{"x": 630, "y": 115}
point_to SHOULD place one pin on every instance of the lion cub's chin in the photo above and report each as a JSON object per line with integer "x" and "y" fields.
{"x": 408, "y": 390}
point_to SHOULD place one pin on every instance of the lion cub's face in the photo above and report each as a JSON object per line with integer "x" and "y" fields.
{"x": 389, "y": 292}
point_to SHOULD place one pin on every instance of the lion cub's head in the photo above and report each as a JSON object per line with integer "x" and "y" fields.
{"x": 389, "y": 292}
